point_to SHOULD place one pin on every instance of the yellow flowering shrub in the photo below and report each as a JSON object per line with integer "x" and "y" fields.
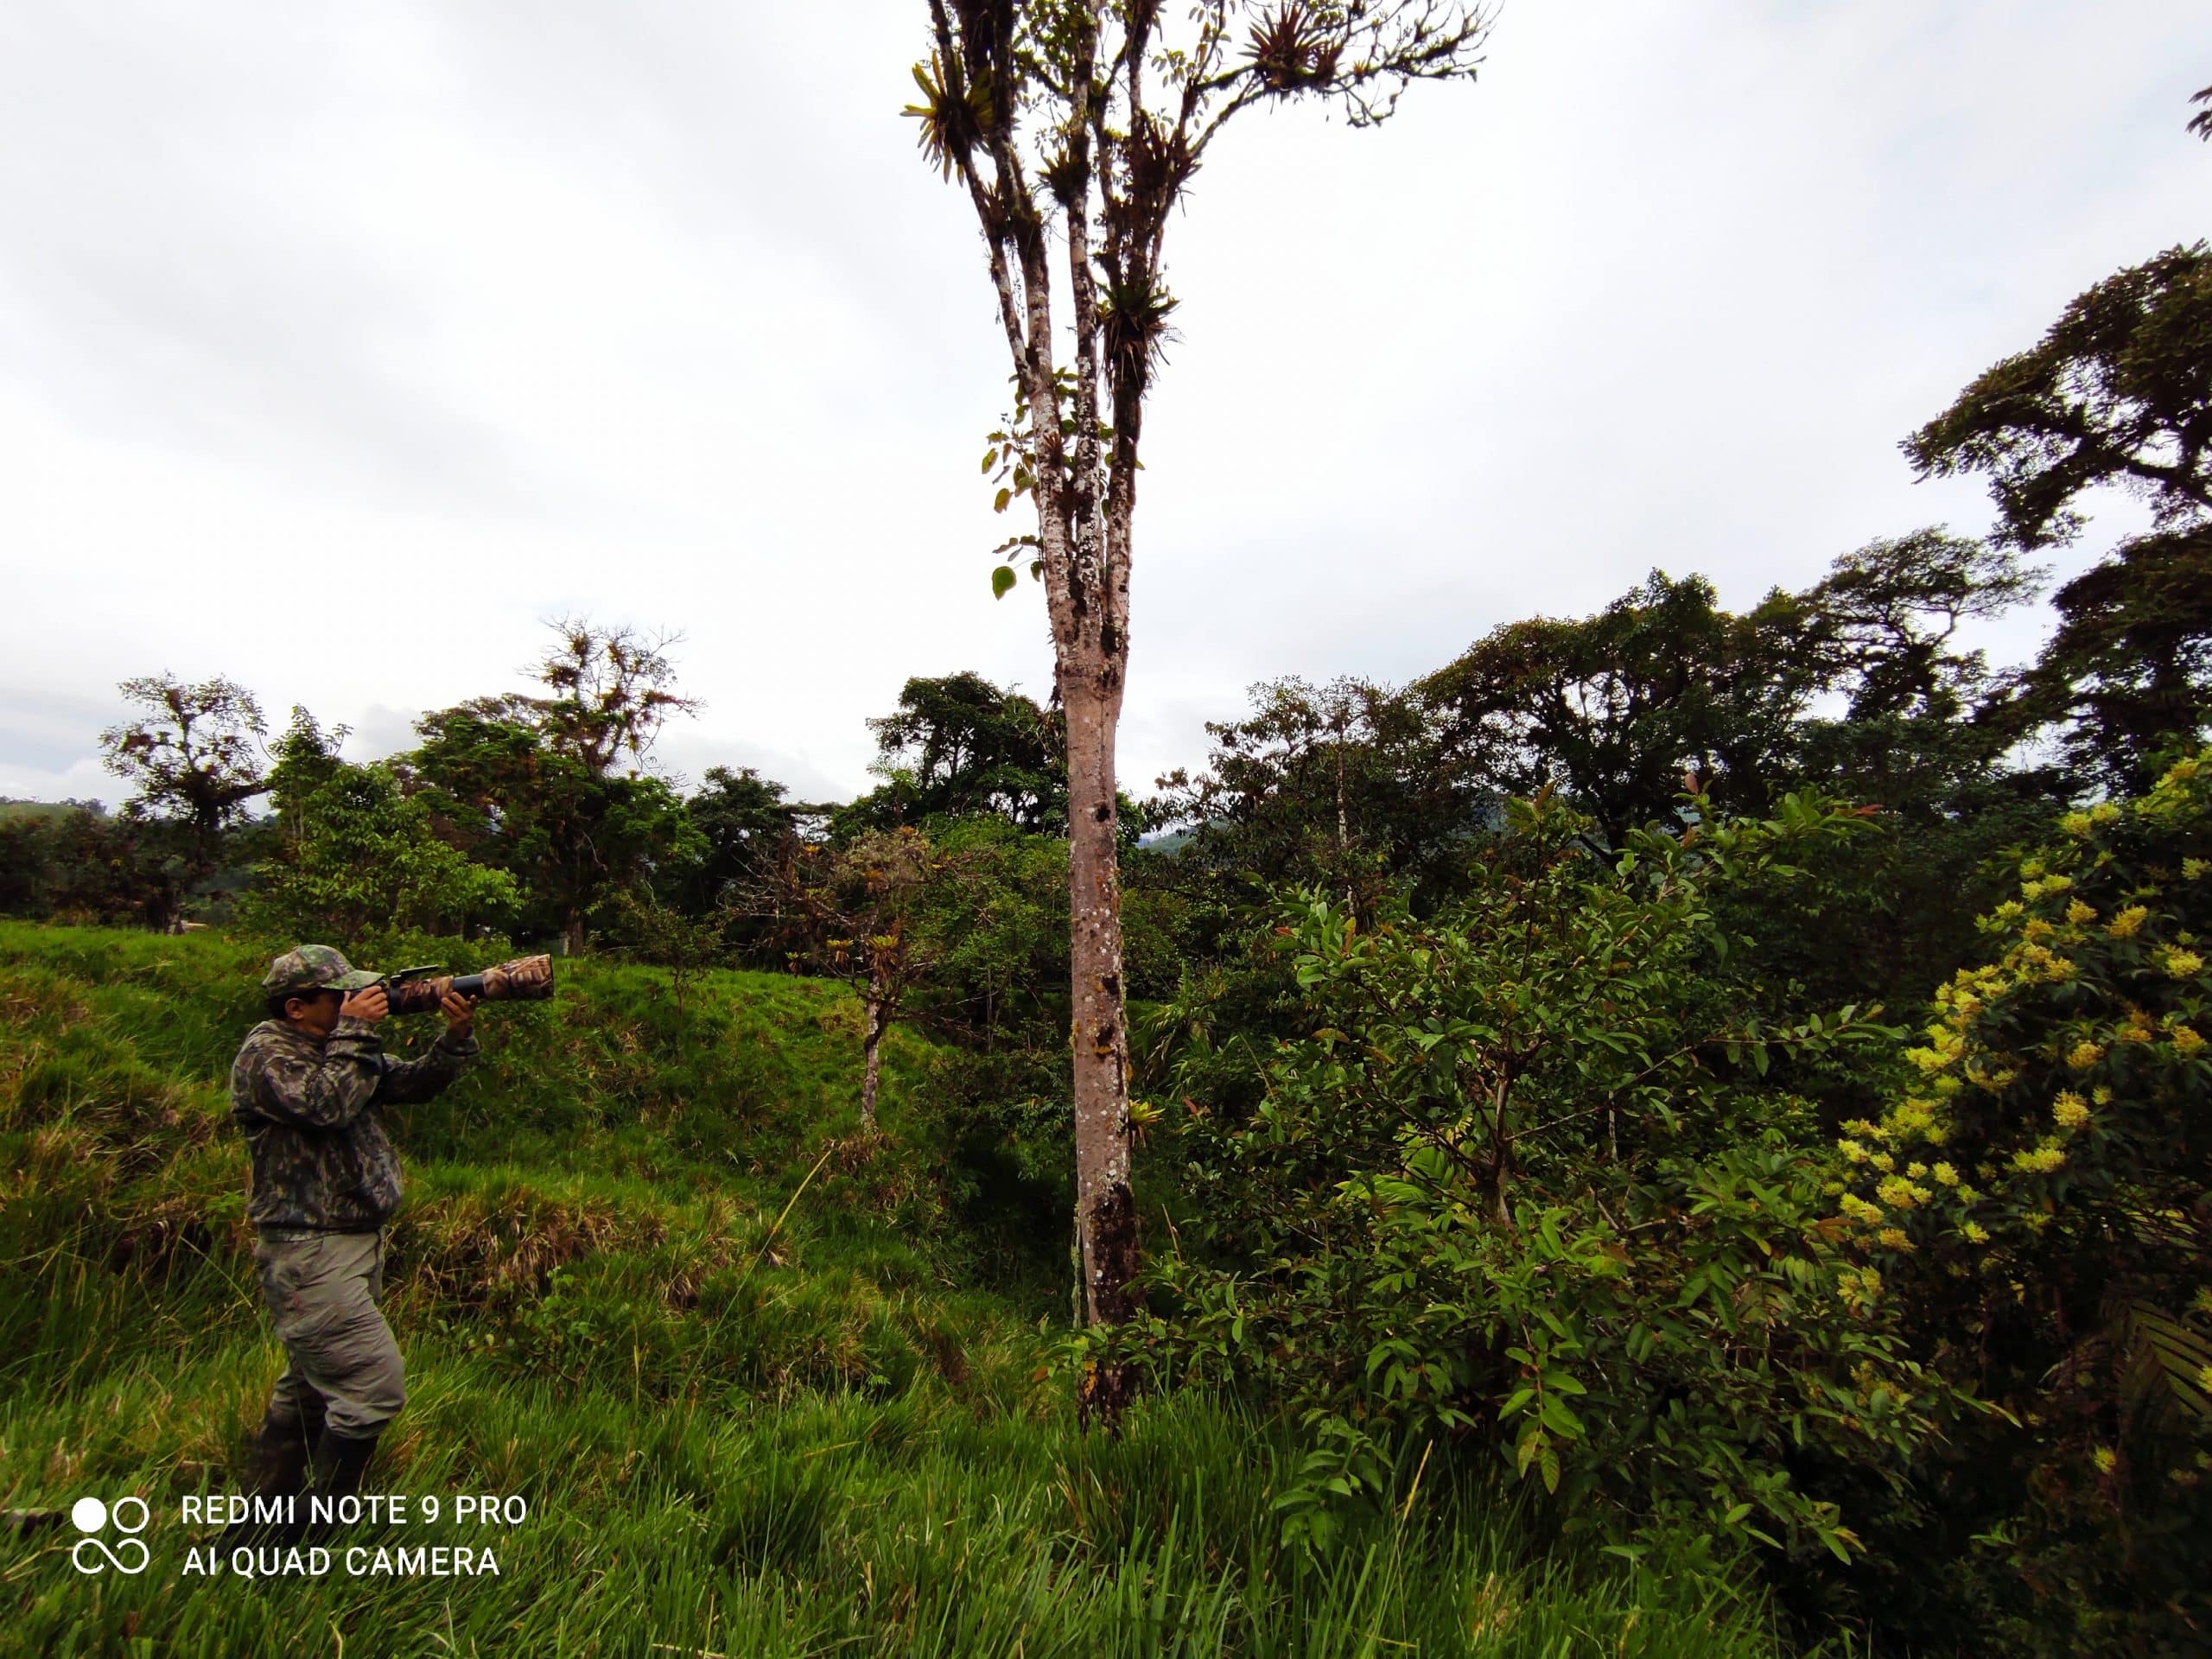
{"x": 2064, "y": 1283}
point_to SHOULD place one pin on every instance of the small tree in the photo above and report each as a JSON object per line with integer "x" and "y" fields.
{"x": 1096, "y": 114}
{"x": 851, "y": 910}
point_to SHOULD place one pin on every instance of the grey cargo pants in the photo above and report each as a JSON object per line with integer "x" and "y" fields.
{"x": 322, "y": 1290}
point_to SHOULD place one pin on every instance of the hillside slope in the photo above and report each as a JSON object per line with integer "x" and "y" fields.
{"x": 651, "y": 1280}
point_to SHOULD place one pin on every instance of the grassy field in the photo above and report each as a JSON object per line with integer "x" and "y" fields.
{"x": 762, "y": 1389}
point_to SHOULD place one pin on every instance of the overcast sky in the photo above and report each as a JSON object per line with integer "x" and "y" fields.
{"x": 339, "y": 346}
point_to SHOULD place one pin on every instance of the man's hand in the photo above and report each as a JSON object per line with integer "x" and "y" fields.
{"x": 460, "y": 1013}
{"x": 368, "y": 1003}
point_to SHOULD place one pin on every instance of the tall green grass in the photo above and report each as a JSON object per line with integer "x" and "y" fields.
{"x": 735, "y": 1437}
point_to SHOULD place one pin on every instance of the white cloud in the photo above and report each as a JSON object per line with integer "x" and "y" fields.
{"x": 344, "y": 348}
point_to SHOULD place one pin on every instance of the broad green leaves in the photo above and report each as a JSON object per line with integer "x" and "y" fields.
{"x": 1532, "y": 1179}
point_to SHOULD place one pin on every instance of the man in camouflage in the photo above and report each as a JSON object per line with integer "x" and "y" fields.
{"x": 305, "y": 1088}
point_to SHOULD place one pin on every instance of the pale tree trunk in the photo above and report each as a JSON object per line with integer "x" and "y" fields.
{"x": 1105, "y": 1209}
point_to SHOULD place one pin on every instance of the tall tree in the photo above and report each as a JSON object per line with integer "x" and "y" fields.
{"x": 1346, "y": 786}
{"x": 1614, "y": 708}
{"x": 1886, "y": 618}
{"x": 958, "y": 745}
{"x": 2130, "y": 664}
{"x": 746, "y": 828}
{"x": 194, "y": 753}
{"x": 2118, "y": 393}
{"x": 1096, "y": 113}
{"x": 614, "y": 690}
{"x": 554, "y": 789}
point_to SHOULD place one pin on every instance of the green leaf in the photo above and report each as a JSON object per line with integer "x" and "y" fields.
{"x": 1002, "y": 581}
{"x": 999, "y": 504}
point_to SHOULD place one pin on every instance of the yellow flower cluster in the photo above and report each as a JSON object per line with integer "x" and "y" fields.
{"x": 1975, "y": 1232}
{"x": 2186, "y": 1041}
{"x": 1893, "y": 1238}
{"x": 2039, "y": 1160}
{"x": 2192, "y": 869}
{"x": 1858, "y": 1210}
{"x": 1859, "y": 1286}
{"x": 2077, "y": 824}
{"x": 2183, "y": 964}
{"x": 2077, "y": 913}
{"x": 2084, "y": 1054}
{"x": 2070, "y": 1109}
{"x": 1943, "y": 1051}
{"x": 1883, "y": 1161}
{"x": 2128, "y": 923}
{"x": 1901, "y": 1194}
{"x": 1945, "y": 1175}
{"x": 2105, "y": 1459}
{"x": 1912, "y": 1119}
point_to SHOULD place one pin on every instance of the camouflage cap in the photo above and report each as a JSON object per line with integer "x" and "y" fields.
{"x": 313, "y": 968}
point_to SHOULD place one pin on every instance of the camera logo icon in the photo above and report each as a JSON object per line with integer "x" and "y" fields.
{"x": 91, "y": 1517}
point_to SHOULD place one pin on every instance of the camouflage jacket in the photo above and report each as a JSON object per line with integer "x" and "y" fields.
{"x": 321, "y": 1160}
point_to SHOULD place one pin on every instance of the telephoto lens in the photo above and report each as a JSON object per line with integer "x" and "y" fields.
{"x": 526, "y": 979}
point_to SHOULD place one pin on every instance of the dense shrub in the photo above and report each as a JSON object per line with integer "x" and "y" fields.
{"x": 1532, "y": 1179}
